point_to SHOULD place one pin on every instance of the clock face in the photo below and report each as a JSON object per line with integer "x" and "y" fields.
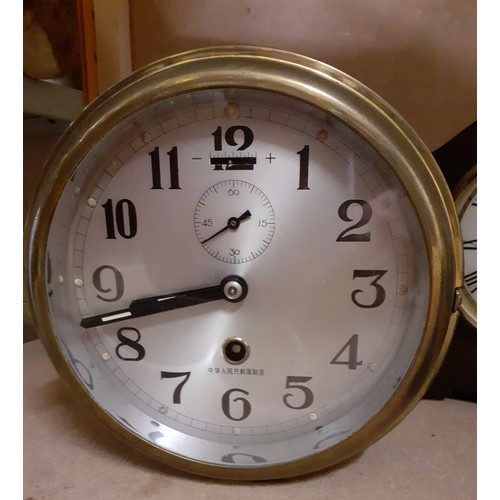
{"x": 468, "y": 225}
{"x": 467, "y": 211}
{"x": 238, "y": 281}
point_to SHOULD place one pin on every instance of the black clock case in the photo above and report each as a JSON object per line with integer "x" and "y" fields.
{"x": 457, "y": 377}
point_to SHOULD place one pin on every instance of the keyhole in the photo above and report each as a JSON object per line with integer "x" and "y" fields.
{"x": 235, "y": 350}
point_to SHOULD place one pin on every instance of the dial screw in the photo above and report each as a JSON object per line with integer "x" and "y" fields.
{"x": 78, "y": 283}
{"x": 146, "y": 137}
{"x": 60, "y": 280}
{"x": 322, "y": 135}
{"x": 232, "y": 111}
{"x": 313, "y": 417}
{"x": 162, "y": 409}
{"x": 236, "y": 431}
{"x": 105, "y": 356}
{"x": 373, "y": 367}
{"x": 91, "y": 202}
{"x": 76, "y": 190}
{"x": 402, "y": 289}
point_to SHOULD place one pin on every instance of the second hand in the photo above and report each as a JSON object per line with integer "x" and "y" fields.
{"x": 233, "y": 223}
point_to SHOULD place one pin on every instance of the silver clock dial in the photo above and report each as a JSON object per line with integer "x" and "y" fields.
{"x": 241, "y": 281}
{"x": 334, "y": 305}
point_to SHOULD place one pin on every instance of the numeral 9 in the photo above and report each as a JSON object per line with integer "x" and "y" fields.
{"x": 118, "y": 284}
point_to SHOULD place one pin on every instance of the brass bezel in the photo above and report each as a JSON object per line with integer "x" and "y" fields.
{"x": 332, "y": 91}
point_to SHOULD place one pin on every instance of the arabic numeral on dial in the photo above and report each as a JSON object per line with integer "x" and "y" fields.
{"x": 122, "y": 218}
{"x": 178, "y": 389}
{"x": 244, "y": 405}
{"x": 231, "y": 135}
{"x": 173, "y": 168}
{"x": 155, "y": 168}
{"x": 99, "y": 279}
{"x": 351, "y": 350}
{"x": 379, "y": 289}
{"x": 217, "y": 139}
{"x": 129, "y": 349}
{"x": 304, "y": 168}
{"x": 80, "y": 368}
{"x": 296, "y": 383}
{"x": 240, "y": 136}
{"x": 366, "y": 215}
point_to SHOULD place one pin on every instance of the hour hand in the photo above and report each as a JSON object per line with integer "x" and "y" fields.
{"x": 231, "y": 288}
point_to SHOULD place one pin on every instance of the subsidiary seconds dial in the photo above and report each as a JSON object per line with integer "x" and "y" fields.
{"x": 234, "y": 221}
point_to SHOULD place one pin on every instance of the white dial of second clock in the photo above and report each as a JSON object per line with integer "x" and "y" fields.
{"x": 234, "y": 221}
{"x": 468, "y": 226}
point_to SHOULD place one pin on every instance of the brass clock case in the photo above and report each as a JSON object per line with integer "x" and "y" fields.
{"x": 325, "y": 88}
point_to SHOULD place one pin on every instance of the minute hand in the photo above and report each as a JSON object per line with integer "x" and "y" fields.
{"x": 231, "y": 288}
